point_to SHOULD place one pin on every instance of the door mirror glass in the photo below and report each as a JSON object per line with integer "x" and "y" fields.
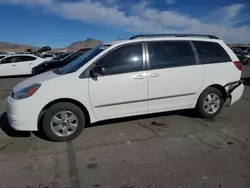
{"x": 98, "y": 71}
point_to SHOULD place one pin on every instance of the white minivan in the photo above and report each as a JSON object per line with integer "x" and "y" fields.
{"x": 142, "y": 75}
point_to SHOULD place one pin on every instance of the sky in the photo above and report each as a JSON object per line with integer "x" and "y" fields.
{"x": 59, "y": 23}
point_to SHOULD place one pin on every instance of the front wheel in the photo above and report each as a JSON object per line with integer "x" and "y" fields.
{"x": 63, "y": 122}
{"x": 210, "y": 103}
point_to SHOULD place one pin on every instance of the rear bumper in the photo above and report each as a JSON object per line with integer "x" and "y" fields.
{"x": 234, "y": 92}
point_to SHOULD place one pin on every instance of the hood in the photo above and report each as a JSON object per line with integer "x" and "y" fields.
{"x": 34, "y": 80}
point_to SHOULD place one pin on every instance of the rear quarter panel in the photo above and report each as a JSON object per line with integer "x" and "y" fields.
{"x": 221, "y": 73}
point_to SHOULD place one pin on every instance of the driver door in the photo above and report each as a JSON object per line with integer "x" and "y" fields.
{"x": 122, "y": 90}
{"x": 8, "y": 66}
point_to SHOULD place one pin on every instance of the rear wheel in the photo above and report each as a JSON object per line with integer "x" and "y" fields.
{"x": 63, "y": 122}
{"x": 33, "y": 72}
{"x": 210, "y": 103}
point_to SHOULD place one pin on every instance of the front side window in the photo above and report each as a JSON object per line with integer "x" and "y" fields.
{"x": 82, "y": 60}
{"x": 11, "y": 60}
{"x": 123, "y": 60}
{"x": 211, "y": 52}
{"x": 167, "y": 54}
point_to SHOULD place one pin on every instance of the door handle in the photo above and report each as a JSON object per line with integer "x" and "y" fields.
{"x": 154, "y": 75}
{"x": 139, "y": 76}
{"x": 31, "y": 64}
{"x": 13, "y": 65}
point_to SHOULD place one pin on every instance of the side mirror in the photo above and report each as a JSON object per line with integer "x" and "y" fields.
{"x": 98, "y": 71}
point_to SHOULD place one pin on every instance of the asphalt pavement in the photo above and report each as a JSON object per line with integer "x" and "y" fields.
{"x": 166, "y": 150}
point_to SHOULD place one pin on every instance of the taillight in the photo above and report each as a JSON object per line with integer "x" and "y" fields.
{"x": 238, "y": 65}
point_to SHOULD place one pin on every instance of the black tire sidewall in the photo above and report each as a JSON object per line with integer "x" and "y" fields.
{"x": 63, "y": 106}
{"x": 199, "y": 107}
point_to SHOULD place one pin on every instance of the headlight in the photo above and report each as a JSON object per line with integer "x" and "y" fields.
{"x": 26, "y": 92}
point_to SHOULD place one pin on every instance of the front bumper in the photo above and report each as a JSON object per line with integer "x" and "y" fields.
{"x": 235, "y": 92}
{"x": 22, "y": 114}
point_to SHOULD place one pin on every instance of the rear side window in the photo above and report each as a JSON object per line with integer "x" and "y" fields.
{"x": 211, "y": 52}
{"x": 168, "y": 54}
{"x": 28, "y": 58}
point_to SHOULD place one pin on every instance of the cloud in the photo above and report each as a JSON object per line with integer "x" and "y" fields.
{"x": 170, "y": 2}
{"x": 225, "y": 15}
{"x": 141, "y": 17}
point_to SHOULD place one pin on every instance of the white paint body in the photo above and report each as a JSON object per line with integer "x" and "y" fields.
{"x": 97, "y": 96}
{"x": 19, "y": 68}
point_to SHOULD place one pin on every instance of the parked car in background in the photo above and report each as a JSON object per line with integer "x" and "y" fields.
{"x": 19, "y": 64}
{"x": 57, "y": 63}
{"x": 10, "y": 53}
{"x": 248, "y": 53}
{"x": 2, "y": 56}
{"x": 241, "y": 55}
{"x": 141, "y": 75}
{"x": 61, "y": 56}
{"x": 48, "y": 56}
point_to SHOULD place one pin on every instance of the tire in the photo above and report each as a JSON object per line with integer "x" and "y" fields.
{"x": 33, "y": 72}
{"x": 203, "y": 102}
{"x": 57, "y": 113}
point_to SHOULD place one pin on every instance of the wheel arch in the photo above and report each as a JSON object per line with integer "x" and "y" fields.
{"x": 219, "y": 87}
{"x": 69, "y": 100}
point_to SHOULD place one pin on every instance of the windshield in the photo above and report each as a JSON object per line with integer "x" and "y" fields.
{"x": 67, "y": 56}
{"x": 82, "y": 60}
{"x": 62, "y": 56}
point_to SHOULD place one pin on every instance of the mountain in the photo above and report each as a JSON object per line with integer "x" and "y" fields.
{"x": 10, "y": 47}
{"x": 89, "y": 43}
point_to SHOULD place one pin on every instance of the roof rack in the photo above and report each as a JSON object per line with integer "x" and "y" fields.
{"x": 173, "y": 35}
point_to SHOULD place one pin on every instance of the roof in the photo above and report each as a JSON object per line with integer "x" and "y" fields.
{"x": 33, "y": 55}
{"x": 167, "y": 38}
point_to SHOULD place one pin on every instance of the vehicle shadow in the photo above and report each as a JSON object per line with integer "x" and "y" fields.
{"x": 246, "y": 81}
{"x": 8, "y": 130}
{"x": 18, "y": 76}
{"x": 4, "y": 124}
